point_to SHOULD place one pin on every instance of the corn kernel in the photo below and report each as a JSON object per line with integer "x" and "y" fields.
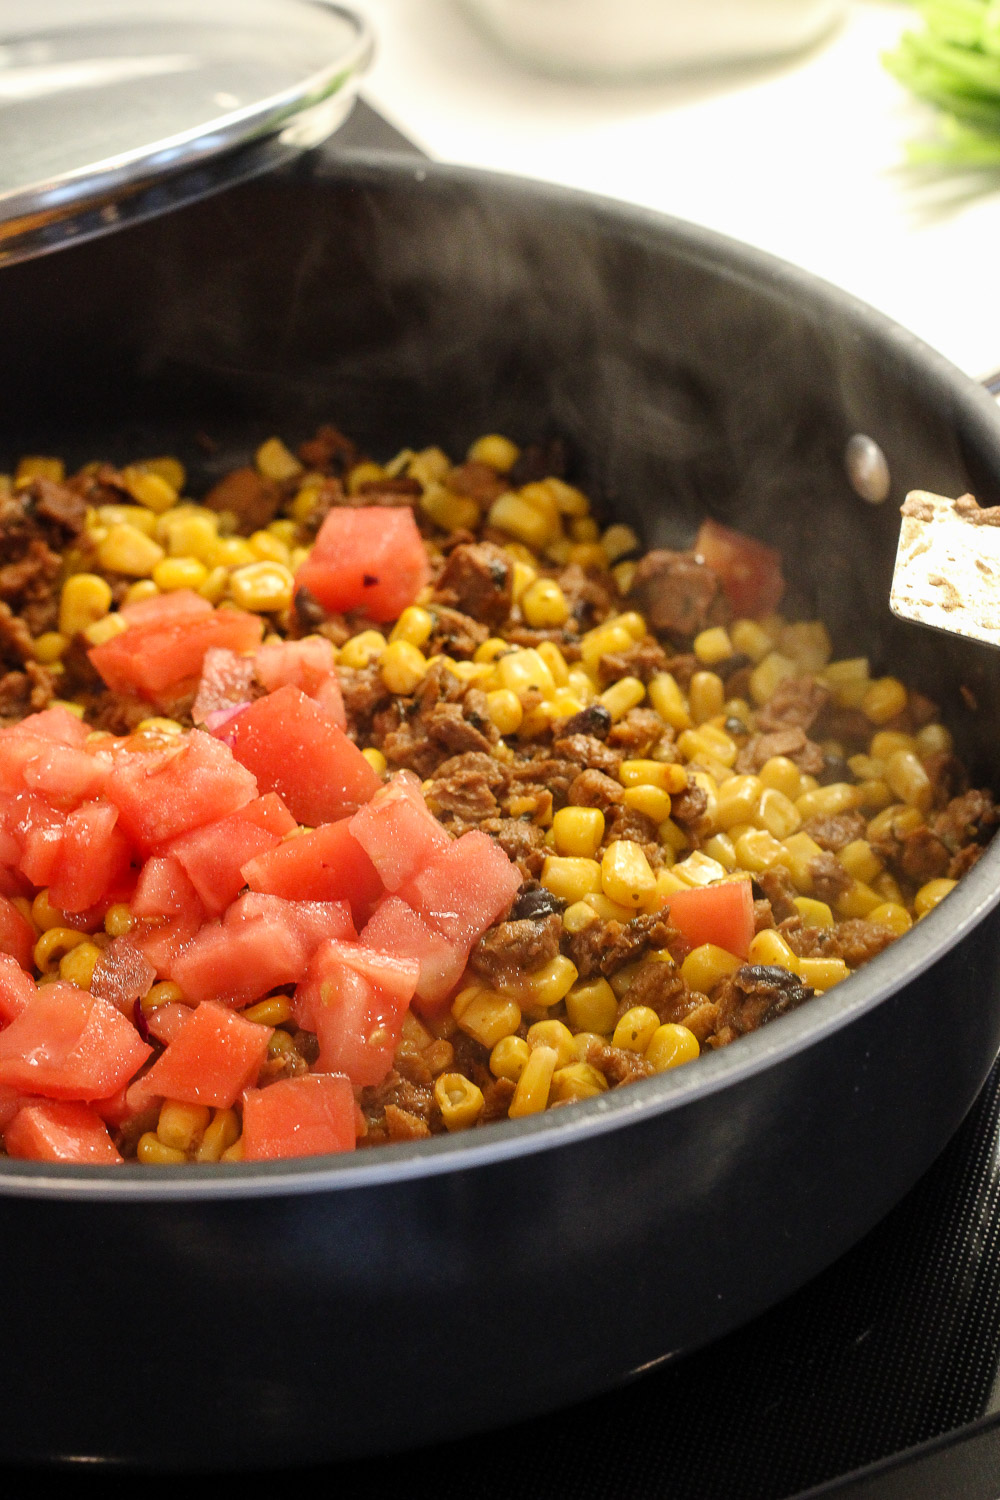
{"x": 118, "y": 920}
{"x": 651, "y": 801}
{"x": 376, "y": 760}
{"x": 50, "y": 646}
{"x": 77, "y": 967}
{"x": 578, "y": 1080}
{"x": 519, "y": 518}
{"x": 219, "y": 1135}
{"x": 524, "y": 671}
{"x": 720, "y": 848}
{"x": 274, "y": 1011}
{"x": 363, "y": 473}
{"x": 807, "y": 643}
{"x": 485, "y": 1015}
{"x": 578, "y": 830}
{"x": 706, "y": 965}
{"x": 585, "y": 529}
{"x": 508, "y": 1057}
{"x": 592, "y": 1006}
{"x": 883, "y": 700}
{"x": 402, "y": 667}
{"x": 758, "y": 850}
{"x": 782, "y": 775}
{"x": 822, "y": 973}
{"x": 495, "y": 451}
{"x": 739, "y": 801}
{"x": 860, "y": 860}
{"x": 859, "y": 900}
{"x": 578, "y": 916}
{"x": 619, "y": 541}
{"x": 934, "y": 739}
{"x": 892, "y": 914}
{"x": 623, "y": 573}
{"x": 670, "y": 1046}
{"x": 264, "y": 587}
{"x": 604, "y": 640}
{"x": 669, "y": 702}
{"x": 547, "y": 985}
{"x": 231, "y": 552}
{"x": 491, "y": 649}
{"x": 769, "y": 947}
{"x": 215, "y": 585}
{"x": 706, "y": 696}
{"x": 635, "y": 1029}
{"x": 764, "y": 678}
{"x": 362, "y": 649}
{"x": 505, "y": 711}
{"x": 85, "y": 597}
{"x": 275, "y": 462}
{"x": 38, "y": 468}
{"x": 531, "y": 1094}
{"x": 127, "y": 550}
{"x": 182, "y": 1125}
{"x": 164, "y": 993}
{"x": 145, "y": 588}
{"x": 554, "y": 1034}
{"x": 885, "y": 743}
{"x": 813, "y": 913}
{"x": 797, "y": 853}
{"x": 415, "y": 625}
{"x": 909, "y": 781}
{"x": 53, "y": 945}
{"x": 777, "y": 814}
{"x": 544, "y": 605}
{"x": 931, "y": 894}
{"x": 621, "y": 696}
{"x": 827, "y": 801}
{"x": 626, "y": 877}
{"x": 698, "y": 869}
{"x": 459, "y": 1100}
{"x": 153, "y": 1153}
{"x": 149, "y": 489}
{"x": 608, "y": 910}
{"x": 44, "y": 914}
{"x": 179, "y": 573}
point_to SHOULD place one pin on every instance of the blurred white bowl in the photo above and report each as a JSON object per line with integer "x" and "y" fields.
{"x": 629, "y": 38}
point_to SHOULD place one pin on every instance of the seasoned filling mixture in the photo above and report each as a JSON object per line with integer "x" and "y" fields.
{"x": 357, "y": 802}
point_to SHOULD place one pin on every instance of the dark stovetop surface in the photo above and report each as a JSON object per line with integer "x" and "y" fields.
{"x": 878, "y": 1381}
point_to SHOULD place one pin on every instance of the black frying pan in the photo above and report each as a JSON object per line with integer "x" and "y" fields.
{"x": 330, "y": 1307}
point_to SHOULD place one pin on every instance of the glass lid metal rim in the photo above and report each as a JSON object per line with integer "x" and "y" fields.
{"x": 126, "y": 172}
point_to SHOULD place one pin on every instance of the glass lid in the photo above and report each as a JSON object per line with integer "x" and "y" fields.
{"x": 113, "y": 110}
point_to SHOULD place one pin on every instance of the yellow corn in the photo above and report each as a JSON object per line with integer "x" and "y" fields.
{"x": 649, "y": 800}
{"x": 670, "y": 1046}
{"x": 192, "y": 536}
{"x": 777, "y": 814}
{"x": 77, "y": 967}
{"x": 519, "y": 518}
{"x": 626, "y": 877}
{"x": 508, "y": 1057}
{"x": 491, "y": 649}
{"x": 363, "y": 473}
{"x": 179, "y": 573}
{"x": 592, "y": 1006}
{"x": 505, "y": 711}
{"x": 231, "y": 552}
{"x": 699, "y": 869}
{"x": 782, "y": 775}
{"x": 50, "y": 646}
{"x": 53, "y": 945}
{"x": 706, "y": 696}
{"x": 264, "y": 587}
{"x": 362, "y": 649}
{"x": 554, "y": 1034}
{"x": 532, "y": 1092}
{"x": 38, "y": 468}
{"x": 934, "y": 739}
{"x": 798, "y": 852}
{"x": 712, "y": 646}
{"x": 497, "y": 452}
{"x": 127, "y": 550}
{"x": 547, "y": 985}
{"x": 234, "y": 1152}
{"x": 618, "y": 541}
{"x": 274, "y": 1011}
{"x": 578, "y": 831}
{"x": 164, "y": 993}
{"x": 813, "y": 913}
{"x": 459, "y": 1100}
{"x": 625, "y": 694}
{"x": 275, "y": 461}
{"x": 85, "y": 597}
{"x": 885, "y": 743}
{"x": 720, "y": 848}
{"x": 860, "y": 860}
{"x": 822, "y": 973}
{"x": 907, "y": 778}
{"x": 149, "y": 488}
{"x": 764, "y": 678}
{"x": 144, "y": 588}
{"x": 585, "y": 529}
{"x": 118, "y": 920}
{"x": 485, "y": 1015}
{"x": 181, "y": 1125}
{"x": 219, "y": 1135}
{"x": 402, "y": 666}
{"x": 623, "y": 573}
{"x": 883, "y": 700}
{"x": 449, "y": 511}
{"x": 769, "y": 947}
{"x": 524, "y": 671}
{"x": 376, "y": 760}
{"x": 739, "y": 801}
{"x": 931, "y": 894}
{"x": 807, "y": 643}
{"x": 826, "y": 801}
{"x": 544, "y": 604}
{"x": 44, "y": 915}
{"x": 153, "y": 1153}
{"x": 892, "y": 914}
{"x": 415, "y": 625}
{"x": 604, "y": 640}
{"x": 706, "y": 965}
{"x": 636, "y": 1028}
{"x": 578, "y": 1080}
{"x": 859, "y": 900}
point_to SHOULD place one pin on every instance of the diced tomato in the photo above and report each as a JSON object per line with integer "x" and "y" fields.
{"x": 158, "y": 656}
{"x": 307, "y": 1116}
{"x": 464, "y": 889}
{"x": 67, "y": 775}
{"x": 115, "y": 1110}
{"x": 215, "y": 1055}
{"x": 311, "y": 922}
{"x": 226, "y": 682}
{"x": 164, "y": 889}
{"x": 307, "y": 664}
{"x": 398, "y": 831}
{"x": 93, "y": 857}
{"x": 166, "y": 609}
{"x": 163, "y": 793}
{"x": 721, "y": 914}
{"x": 56, "y": 725}
{"x": 212, "y": 855}
{"x": 69, "y": 1044}
{"x": 11, "y": 1100}
{"x": 396, "y": 928}
{"x": 355, "y": 999}
{"x": 749, "y": 570}
{"x": 367, "y": 558}
{"x": 60, "y": 1130}
{"x": 166, "y": 1021}
{"x": 238, "y": 962}
{"x": 163, "y": 943}
{"x": 17, "y": 936}
{"x": 37, "y": 830}
{"x": 326, "y": 864}
{"x": 122, "y": 974}
{"x": 294, "y": 748}
{"x": 16, "y": 987}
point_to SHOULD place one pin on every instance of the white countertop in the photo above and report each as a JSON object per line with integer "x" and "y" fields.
{"x": 802, "y": 157}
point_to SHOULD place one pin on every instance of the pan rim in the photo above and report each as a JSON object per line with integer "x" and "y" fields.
{"x": 782, "y": 1040}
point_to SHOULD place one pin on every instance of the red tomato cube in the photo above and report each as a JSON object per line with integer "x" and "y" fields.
{"x": 294, "y": 748}
{"x": 355, "y": 999}
{"x": 307, "y": 1116}
{"x": 396, "y": 928}
{"x": 212, "y": 855}
{"x": 464, "y": 889}
{"x": 310, "y": 922}
{"x": 16, "y": 987}
{"x": 307, "y": 664}
{"x": 159, "y": 657}
{"x": 368, "y": 558}
{"x": 749, "y": 571}
{"x": 398, "y": 831}
{"x": 721, "y": 914}
{"x": 238, "y": 962}
{"x": 17, "y": 936}
{"x": 163, "y": 793}
{"x": 326, "y": 864}
{"x": 215, "y": 1055}
{"x": 94, "y": 855}
{"x": 69, "y": 1044}
{"x": 60, "y": 1130}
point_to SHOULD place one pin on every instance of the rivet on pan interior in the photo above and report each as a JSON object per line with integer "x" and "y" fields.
{"x": 867, "y": 469}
